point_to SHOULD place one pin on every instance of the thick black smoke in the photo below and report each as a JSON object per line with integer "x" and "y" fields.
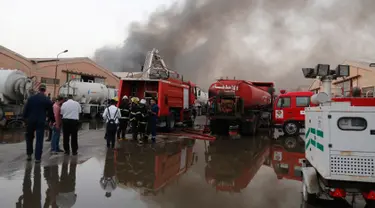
{"x": 264, "y": 40}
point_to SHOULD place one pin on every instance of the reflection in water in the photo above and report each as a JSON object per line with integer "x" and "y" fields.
{"x": 231, "y": 164}
{"x": 66, "y": 196}
{"x": 51, "y": 175}
{"x": 109, "y": 180}
{"x": 287, "y": 153}
{"x": 12, "y": 136}
{"x": 93, "y": 124}
{"x": 151, "y": 168}
{"x": 31, "y": 196}
{"x": 60, "y": 191}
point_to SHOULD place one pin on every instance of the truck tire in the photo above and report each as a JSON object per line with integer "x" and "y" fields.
{"x": 290, "y": 143}
{"x": 306, "y": 196}
{"x": 370, "y": 204}
{"x": 254, "y": 126}
{"x": 291, "y": 128}
{"x": 170, "y": 122}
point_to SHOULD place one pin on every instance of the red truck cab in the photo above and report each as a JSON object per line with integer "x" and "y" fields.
{"x": 287, "y": 156}
{"x": 289, "y": 111}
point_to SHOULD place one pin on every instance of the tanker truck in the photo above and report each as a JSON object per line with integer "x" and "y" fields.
{"x": 239, "y": 106}
{"x": 15, "y": 89}
{"x": 92, "y": 96}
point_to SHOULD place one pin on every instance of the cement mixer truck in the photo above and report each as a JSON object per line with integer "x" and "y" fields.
{"x": 92, "y": 96}
{"x": 15, "y": 88}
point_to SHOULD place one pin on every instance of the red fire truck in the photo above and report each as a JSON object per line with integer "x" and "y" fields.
{"x": 232, "y": 165}
{"x": 289, "y": 111}
{"x": 175, "y": 96}
{"x": 151, "y": 170}
{"x": 287, "y": 154}
{"x": 239, "y": 104}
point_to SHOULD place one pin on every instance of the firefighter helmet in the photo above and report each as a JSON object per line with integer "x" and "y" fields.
{"x": 135, "y": 99}
{"x": 125, "y": 97}
{"x": 143, "y": 101}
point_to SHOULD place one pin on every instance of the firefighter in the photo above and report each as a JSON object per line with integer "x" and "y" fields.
{"x": 134, "y": 117}
{"x": 143, "y": 120}
{"x": 153, "y": 118}
{"x": 124, "y": 120}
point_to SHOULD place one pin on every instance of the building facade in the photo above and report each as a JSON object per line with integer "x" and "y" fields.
{"x": 361, "y": 76}
{"x": 43, "y": 70}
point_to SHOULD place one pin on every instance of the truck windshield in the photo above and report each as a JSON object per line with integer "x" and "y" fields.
{"x": 284, "y": 102}
{"x": 302, "y": 101}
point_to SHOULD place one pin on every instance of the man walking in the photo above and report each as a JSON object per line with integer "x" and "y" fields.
{"x": 55, "y": 143}
{"x": 70, "y": 111}
{"x": 111, "y": 116}
{"x": 35, "y": 112}
{"x": 124, "y": 120}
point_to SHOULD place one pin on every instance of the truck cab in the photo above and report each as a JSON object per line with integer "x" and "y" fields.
{"x": 289, "y": 111}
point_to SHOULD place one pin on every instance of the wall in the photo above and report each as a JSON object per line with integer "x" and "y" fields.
{"x": 9, "y": 60}
{"x": 79, "y": 66}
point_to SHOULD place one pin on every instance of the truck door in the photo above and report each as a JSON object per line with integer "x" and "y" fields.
{"x": 301, "y": 102}
{"x": 283, "y": 110}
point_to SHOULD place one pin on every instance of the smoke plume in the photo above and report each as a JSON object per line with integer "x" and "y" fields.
{"x": 263, "y": 40}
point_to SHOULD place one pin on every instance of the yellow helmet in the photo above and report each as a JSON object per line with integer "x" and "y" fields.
{"x": 135, "y": 99}
{"x": 115, "y": 99}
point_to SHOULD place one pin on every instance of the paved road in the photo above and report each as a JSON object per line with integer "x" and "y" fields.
{"x": 174, "y": 172}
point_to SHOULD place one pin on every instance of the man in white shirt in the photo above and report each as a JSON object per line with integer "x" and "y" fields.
{"x": 70, "y": 111}
{"x": 111, "y": 116}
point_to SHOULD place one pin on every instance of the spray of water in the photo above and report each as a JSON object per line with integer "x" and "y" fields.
{"x": 262, "y": 40}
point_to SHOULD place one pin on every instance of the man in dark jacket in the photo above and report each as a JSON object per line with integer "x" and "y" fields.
{"x": 124, "y": 120}
{"x": 153, "y": 118}
{"x": 35, "y": 112}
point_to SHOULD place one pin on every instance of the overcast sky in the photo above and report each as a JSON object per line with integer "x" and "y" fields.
{"x": 43, "y": 28}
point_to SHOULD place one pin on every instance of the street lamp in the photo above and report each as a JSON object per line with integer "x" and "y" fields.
{"x": 54, "y": 81}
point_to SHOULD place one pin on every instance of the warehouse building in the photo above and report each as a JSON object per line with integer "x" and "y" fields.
{"x": 43, "y": 69}
{"x": 361, "y": 75}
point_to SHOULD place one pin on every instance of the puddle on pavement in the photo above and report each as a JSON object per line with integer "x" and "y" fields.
{"x": 248, "y": 172}
{"x": 11, "y": 136}
{"x": 94, "y": 124}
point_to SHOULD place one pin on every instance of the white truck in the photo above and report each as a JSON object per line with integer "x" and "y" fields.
{"x": 339, "y": 143}
{"x": 15, "y": 88}
{"x": 201, "y": 101}
{"x": 93, "y": 97}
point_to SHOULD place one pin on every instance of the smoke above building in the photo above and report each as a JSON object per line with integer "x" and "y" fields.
{"x": 264, "y": 40}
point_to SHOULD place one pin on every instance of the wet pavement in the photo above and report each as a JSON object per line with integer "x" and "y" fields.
{"x": 254, "y": 172}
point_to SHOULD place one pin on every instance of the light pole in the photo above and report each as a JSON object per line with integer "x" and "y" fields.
{"x": 54, "y": 81}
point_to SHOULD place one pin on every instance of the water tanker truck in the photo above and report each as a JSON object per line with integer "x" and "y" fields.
{"x": 239, "y": 105}
{"x": 15, "y": 88}
{"x": 92, "y": 96}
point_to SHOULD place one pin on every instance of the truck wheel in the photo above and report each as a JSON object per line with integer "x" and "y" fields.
{"x": 290, "y": 143}
{"x": 370, "y": 204}
{"x": 170, "y": 122}
{"x": 306, "y": 196}
{"x": 254, "y": 127}
{"x": 291, "y": 128}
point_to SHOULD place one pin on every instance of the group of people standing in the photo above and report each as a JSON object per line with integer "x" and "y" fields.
{"x": 141, "y": 117}
{"x": 62, "y": 114}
